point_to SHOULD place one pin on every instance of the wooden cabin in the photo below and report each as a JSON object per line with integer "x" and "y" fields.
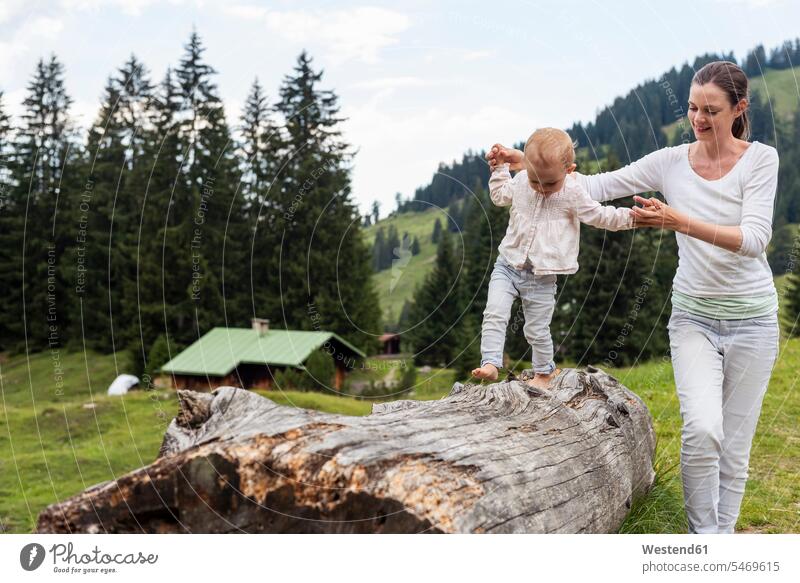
{"x": 249, "y": 357}
{"x": 390, "y": 344}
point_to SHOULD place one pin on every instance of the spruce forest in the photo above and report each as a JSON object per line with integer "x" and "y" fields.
{"x": 159, "y": 224}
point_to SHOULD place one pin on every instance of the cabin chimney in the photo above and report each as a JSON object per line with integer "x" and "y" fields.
{"x": 260, "y": 325}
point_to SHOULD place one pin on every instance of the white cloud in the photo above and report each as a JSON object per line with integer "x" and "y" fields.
{"x": 751, "y": 3}
{"x": 128, "y": 7}
{"x": 26, "y": 39}
{"x": 354, "y": 34}
{"x": 42, "y": 27}
{"x": 245, "y": 12}
{"x": 395, "y": 83}
{"x": 401, "y": 152}
{"x": 477, "y": 55}
{"x": 10, "y": 9}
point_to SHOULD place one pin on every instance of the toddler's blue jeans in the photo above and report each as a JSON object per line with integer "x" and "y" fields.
{"x": 538, "y": 296}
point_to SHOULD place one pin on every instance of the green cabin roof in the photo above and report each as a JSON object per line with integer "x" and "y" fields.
{"x": 220, "y": 350}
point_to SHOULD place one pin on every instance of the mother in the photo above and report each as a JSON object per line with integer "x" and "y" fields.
{"x": 723, "y": 330}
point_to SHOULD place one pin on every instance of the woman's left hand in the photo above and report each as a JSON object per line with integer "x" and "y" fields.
{"x": 654, "y": 213}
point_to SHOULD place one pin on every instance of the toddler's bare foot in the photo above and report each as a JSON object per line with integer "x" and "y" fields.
{"x": 487, "y": 371}
{"x": 543, "y": 381}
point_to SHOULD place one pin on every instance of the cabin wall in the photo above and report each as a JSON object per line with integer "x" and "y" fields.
{"x": 197, "y": 382}
{"x": 247, "y": 376}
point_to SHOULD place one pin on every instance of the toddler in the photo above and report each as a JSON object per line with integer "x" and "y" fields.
{"x": 547, "y": 206}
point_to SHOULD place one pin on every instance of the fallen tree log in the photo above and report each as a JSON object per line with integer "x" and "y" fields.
{"x": 500, "y": 457}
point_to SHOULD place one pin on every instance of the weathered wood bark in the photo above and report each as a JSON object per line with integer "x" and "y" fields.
{"x": 486, "y": 458}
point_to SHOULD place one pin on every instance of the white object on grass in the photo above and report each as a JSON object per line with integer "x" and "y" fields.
{"x": 122, "y": 384}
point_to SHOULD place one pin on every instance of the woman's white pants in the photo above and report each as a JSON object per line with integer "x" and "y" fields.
{"x": 722, "y": 368}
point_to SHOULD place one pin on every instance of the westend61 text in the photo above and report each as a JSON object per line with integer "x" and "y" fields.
{"x": 671, "y": 550}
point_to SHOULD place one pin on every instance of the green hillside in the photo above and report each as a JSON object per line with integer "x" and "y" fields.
{"x": 397, "y": 284}
{"x": 780, "y": 87}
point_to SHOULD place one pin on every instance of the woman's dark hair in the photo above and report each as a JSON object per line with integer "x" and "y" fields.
{"x": 731, "y": 79}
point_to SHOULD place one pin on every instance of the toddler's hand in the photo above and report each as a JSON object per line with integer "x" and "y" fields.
{"x": 652, "y": 203}
{"x": 499, "y": 155}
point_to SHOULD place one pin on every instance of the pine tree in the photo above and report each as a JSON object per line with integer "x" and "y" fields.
{"x": 6, "y": 146}
{"x": 755, "y": 61}
{"x": 392, "y": 247}
{"x": 213, "y": 231}
{"x": 403, "y": 322}
{"x": 782, "y": 251}
{"x": 325, "y": 264}
{"x": 204, "y": 231}
{"x": 415, "y": 246}
{"x": 436, "y": 312}
{"x": 39, "y": 217}
{"x": 111, "y": 204}
{"x": 468, "y": 354}
{"x": 320, "y": 371}
{"x": 262, "y": 147}
{"x": 157, "y": 290}
{"x": 454, "y": 216}
{"x": 787, "y": 202}
{"x": 762, "y": 120}
{"x": 160, "y": 353}
{"x": 437, "y": 232}
{"x": 9, "y": 213}
{"x": 792, "y": 299}
{"x": 378, "y": 250}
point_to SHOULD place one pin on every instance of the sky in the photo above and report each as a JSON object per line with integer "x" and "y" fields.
{"x": 419, "y": 82}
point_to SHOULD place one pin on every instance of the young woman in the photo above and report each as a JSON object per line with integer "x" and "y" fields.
{"x": 723, "y": 330}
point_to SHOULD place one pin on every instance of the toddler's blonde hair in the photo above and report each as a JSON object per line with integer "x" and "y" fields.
{"x": 551, "y": 146}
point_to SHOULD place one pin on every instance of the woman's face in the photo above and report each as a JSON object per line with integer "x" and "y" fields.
{"x": 710, "y": 112}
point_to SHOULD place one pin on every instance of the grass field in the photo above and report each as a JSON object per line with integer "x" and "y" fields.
{"x": 55, "y": 443}
{"x": 772, "y": 497}
{"x": 780, "y": 89}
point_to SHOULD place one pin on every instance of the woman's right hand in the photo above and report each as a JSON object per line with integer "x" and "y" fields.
{"x": 499, "y": 154}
